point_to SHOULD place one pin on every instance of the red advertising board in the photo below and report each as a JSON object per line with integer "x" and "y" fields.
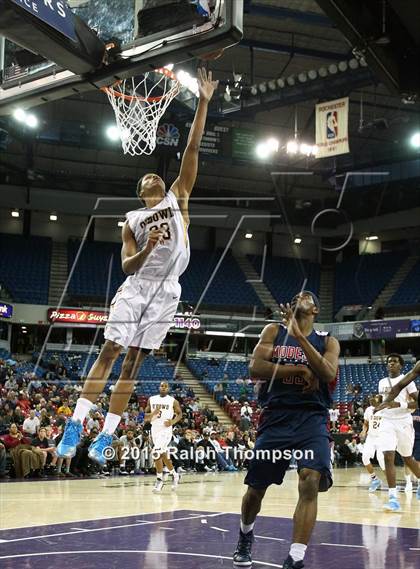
{"x": 72, "y": 316}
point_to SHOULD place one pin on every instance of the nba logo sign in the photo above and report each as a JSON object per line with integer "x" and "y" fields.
{"x": 332, "y": 125}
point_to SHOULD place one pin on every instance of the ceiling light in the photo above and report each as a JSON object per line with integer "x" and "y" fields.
{"x": 19, "y": 115}
{"x": 372, "y": 238}
{"x": 415, "y": 140}
{"x": 262, "y": 150}
{"x": 322, "y": 71}
{"x": 312, "y": 74}
{"x": 291, "y": 80}
{"x": 343, "y": 66}
{"x": 302, "y": 77}
{"x": 31, "y": 121}
{"x": 280, "y": 82}
{"x": 272, "y": 85}
{"x": 53, "y": 217}
{"x": 15, "y": 213}
{"x": 248, "y": 235}
{"x": 273, "y": 144}
{"x": 298, "y": 240}
{"x": 353, "y": 63}
{"x": 113, "y": 133}
{"x": 292, "y": 147}
{"x": 263, "y": 87}
{"x": 333, "y": 69}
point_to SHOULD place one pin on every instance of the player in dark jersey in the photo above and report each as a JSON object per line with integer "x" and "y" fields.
{"x": 296, "y": 368}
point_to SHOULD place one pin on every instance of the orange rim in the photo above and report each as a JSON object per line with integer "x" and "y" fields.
{"x": 167, "y": 72}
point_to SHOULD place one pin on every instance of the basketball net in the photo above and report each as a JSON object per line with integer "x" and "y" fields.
{"x": 139, "y": 105}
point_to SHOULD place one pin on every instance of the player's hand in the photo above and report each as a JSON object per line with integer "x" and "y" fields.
{"x": 311, "y": 381}
{"x": 384, "y": 405}
{"x": 168, "y": 423}
{"x": 154, "y": 238}
{"x": 289, "y": 320}
{"x": 206, "y": 85}
{"x": 155, "y": 413}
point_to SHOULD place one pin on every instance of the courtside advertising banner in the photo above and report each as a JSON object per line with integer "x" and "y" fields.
{"x": 332, "y": 128}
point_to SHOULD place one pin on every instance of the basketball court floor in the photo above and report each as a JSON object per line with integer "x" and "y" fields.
{"x": 119, "y": 522}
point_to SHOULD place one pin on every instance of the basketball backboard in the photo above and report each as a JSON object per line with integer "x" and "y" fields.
{"x": 162, "y": 39}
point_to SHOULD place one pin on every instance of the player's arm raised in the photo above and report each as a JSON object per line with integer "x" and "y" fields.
{"x": 131, "y": 259}
{"x": 183, "y": 185}
{"x": 148, "y": 414}
{"x": 261, "y": 366}
{"x": 325, "y": 366}
{"x": 178, "y": 415}
{"x": 396, "y": 390}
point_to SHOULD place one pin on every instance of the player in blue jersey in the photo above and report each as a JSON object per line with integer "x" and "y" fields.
{"x": 296, "y": 368}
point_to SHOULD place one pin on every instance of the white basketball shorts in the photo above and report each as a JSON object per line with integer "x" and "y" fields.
{"x": 369, "y": 449}
{"x": 396, "y": 434}
{"x": 161, "y": 439}
{"x": 142, "y": 312}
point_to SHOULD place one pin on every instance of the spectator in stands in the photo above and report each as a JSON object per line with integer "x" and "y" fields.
{"x": 354, "y": 449}
{"x": 44, "y": 419}
{"x": 81, "y": 465}
{"x": 205, "y": 459}
{"x": 345, "y": 455}
{"x": 31, "y": 424}
{"x": 6, "y": 419}
{"x": 222, "y": 458}
{"x": 42, "y": 443}
{"x": 130, "y": 449}
{"x": 239, "y": 381}
{"x": 345, "y": 427}
{"x": 214, "y": 362}
{"x": 27, "y": 461}
{"x": 185, "y": 452}
{"x": 18, "y": 416}
{"x": 93, "y": 421}
{"x": 334, "y": 415}
{"x": 218, "y": 388}
{"x": 246, "y": 417}
{"x": 2, "y": 460}
{"x": 64, "y": 409}
{"x": 11, "y": 383}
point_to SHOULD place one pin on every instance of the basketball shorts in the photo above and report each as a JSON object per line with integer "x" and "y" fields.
{"x": 161, "y": 439}
{"x": 142, "y": 312}
{"x": 304, "y": 435}
{"x": 396, "y": 434}
{"x": 369, "y": 449}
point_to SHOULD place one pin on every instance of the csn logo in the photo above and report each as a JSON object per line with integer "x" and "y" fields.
{"x": 168, "y": 135}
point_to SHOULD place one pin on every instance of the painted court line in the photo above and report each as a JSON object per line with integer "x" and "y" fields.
{"x": 343, "y": 545}
{"x": 125, "y": 551}
{"x": 266, "y": 537}
{"x": 113, "y": 527}
{"x": 219, "y": 529}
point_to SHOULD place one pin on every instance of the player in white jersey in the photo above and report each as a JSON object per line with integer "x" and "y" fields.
{"x": 155, "y": 252}
{"x": 396, "y": 431}
{"x": 369, "y": 435}
{"x": 160, "y": 412}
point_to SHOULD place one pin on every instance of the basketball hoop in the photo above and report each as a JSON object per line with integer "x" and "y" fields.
{"x": 139, "y": 104}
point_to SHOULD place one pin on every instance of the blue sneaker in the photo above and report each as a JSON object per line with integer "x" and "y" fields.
{"x": 71, "y": 438}
{"x": 96, "y": 449}
{"x": 375, "y": 485}
{"x": 290, "y": 564}
{"x": 393, "y": 505}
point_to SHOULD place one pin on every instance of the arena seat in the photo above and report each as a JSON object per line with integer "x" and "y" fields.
{"x": 229, "y": 286}
{"x": 25, "y": 267}
{"x": 408, "y": 293}
{"x": 360, "y": 279}
{"x": 283, "y": 276}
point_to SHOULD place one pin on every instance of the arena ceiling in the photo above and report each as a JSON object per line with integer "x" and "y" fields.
{"x": 281, "y": 38}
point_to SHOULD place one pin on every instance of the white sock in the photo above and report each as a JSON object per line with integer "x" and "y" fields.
{"x": 392, "y": 493}
{"x": 407, "y": 478}
{"x": 111, "y": 423}
{"x": 297, "y": 551}
{"x": 83, "y": 406}
{"x": 246, "y": 528}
